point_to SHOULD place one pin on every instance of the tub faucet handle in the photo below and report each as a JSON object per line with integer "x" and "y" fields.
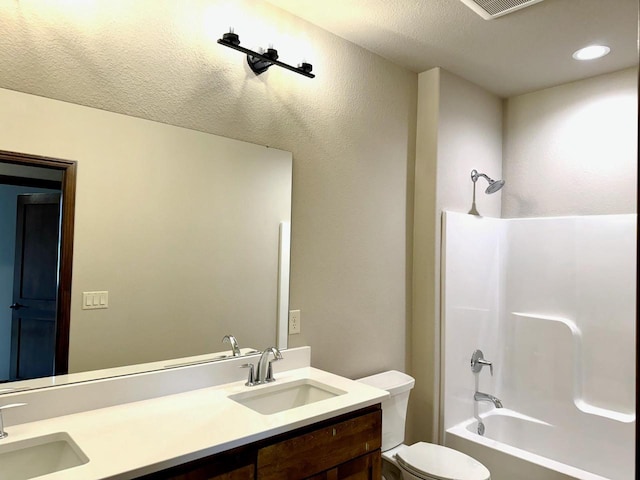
{"x": 478, "y": 361}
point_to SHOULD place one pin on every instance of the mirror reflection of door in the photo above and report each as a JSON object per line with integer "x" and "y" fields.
{"x": 32, "y": 335}
{"x": 33, "y": 322}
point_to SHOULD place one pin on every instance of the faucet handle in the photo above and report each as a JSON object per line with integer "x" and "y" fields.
{"x": 251, "y": 379}
{"x": 484, "y": 363}
{"x": 478, "y": 361}
{"x": 4, "y": 434}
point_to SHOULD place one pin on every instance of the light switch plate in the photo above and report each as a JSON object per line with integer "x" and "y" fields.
{"x": 95, "y": 300}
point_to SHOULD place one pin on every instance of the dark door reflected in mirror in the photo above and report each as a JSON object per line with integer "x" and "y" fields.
{"x": 35, "y": 285}
{"x": 34, "y": 326}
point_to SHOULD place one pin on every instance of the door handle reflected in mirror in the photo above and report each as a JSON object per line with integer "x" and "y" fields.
{"x": 17, "y": 306}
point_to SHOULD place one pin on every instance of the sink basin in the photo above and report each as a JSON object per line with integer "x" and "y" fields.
{"x": 280, "y": 397}
{"x": 39, "y": 456}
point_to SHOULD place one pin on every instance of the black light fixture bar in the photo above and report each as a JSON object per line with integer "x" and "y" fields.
{"x": 260, "y": 62}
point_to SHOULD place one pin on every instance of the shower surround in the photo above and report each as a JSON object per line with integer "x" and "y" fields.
{"x": 551, "y": 302}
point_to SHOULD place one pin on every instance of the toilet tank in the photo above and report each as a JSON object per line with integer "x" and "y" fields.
{"x": 394, "y": 408}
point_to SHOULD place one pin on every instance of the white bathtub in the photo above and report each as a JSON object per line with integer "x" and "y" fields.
{"x": 517, "y": 447}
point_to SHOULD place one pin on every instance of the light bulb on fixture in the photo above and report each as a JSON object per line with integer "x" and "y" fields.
{"x": 591, "y": 52}
{"x": 231, "y": 37}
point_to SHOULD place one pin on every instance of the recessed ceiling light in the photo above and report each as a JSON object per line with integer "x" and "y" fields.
{"x": 591, "y": 52}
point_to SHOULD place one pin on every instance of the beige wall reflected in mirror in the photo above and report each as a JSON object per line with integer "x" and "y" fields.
{"x": 182, "y": 228}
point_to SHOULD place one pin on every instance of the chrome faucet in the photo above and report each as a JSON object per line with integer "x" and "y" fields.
{"x": 264, "y": 372}
{"x": 485, "y": 397}
{"x": 235, "y": 349}
{"x": 4, "y": 434}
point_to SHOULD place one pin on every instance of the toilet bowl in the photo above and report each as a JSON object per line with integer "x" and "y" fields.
{"x": 420, "y": 461}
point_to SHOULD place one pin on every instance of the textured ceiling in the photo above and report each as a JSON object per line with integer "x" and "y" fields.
{"x": 520, "y": 52}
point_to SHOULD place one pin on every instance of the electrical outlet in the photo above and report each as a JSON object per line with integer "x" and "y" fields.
{"x": 294, "y": 322}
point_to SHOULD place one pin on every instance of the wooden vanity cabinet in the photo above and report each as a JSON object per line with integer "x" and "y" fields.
{"x": 366, "y": 467}
{"x": 324, "y": 448}
{"x": 342, "y": 448}
{"x": 236, "y": 464}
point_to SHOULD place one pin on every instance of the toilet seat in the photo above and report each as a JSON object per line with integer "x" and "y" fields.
{"x": 431, "y": 461}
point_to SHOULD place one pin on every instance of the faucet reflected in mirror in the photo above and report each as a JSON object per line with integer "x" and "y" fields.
{"x": 235, "y": 348}
{"x": 4, "y": 434}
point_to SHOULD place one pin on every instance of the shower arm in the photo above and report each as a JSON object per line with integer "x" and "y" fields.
{"x": 475, "y": 175}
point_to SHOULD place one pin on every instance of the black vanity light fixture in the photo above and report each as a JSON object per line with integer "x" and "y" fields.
{"x": 260, "y": 62}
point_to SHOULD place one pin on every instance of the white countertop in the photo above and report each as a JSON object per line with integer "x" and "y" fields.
{"x": 133, "y": 439}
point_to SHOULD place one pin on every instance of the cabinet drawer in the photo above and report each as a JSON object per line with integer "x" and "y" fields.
{"x": 321, "y": 449}
{"x": 244, "y": 473}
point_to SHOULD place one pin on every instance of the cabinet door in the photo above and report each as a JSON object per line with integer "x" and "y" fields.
{"x": 367, "y": 467}
{"x": 238, "y": 464}
{"x": 321, "y": 450}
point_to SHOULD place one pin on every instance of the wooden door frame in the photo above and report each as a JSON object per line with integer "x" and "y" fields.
{"x": 67, "y": 213}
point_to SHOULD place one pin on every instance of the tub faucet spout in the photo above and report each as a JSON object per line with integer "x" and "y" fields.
{"x": 485, "y": 397}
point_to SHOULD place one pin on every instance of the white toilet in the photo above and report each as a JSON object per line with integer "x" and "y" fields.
{"x": 420, "y": 461}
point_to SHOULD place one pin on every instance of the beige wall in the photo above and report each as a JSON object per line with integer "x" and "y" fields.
{"x": 423, "y": 366}
{"x": 351, "y": 131}
{"x": 459, "y": 129}
{"x": 572, "y": 149}
{"x": 469, "y": 137}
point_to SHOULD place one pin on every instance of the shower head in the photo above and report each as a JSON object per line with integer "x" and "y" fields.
{"x": 494, "y": 185}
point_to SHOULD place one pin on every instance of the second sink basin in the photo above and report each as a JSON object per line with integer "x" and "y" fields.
{"x": 280, "y": 397}
{"x": 39, "y": 456}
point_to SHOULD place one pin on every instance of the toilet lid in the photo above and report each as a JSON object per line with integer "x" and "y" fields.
{"x": 442, "y": 463}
